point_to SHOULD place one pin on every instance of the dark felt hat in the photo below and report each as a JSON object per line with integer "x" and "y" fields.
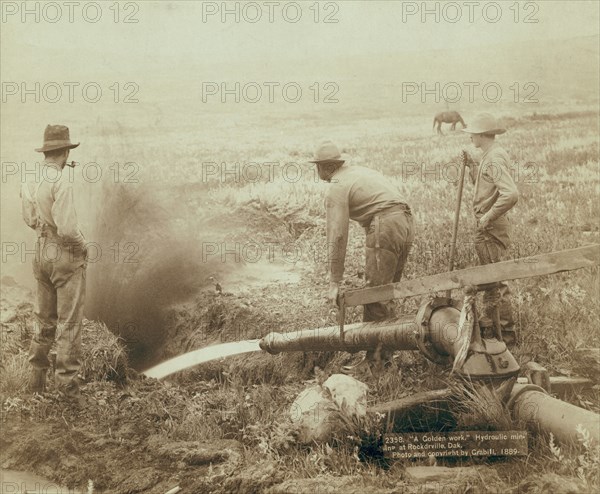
{"x": 56, "y": 137}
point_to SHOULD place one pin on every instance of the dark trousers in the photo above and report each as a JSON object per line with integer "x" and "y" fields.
{"x": 60, "y": 273}
{"x": 389, "y": 239}
{"x": 491, "y": 246}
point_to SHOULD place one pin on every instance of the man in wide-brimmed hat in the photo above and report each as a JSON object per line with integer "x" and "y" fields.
{"x": 366, "y": 196}
{"x": 495, "y": 194}
{"x": 59, "y": 266}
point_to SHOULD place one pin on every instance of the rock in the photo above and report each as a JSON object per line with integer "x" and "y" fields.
{"x": 348, "y": 393}
{"x": 314, "y": 413}
{"x": 317, "y": 411}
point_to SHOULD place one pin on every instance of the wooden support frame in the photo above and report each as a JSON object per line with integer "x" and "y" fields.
{"x": 540, "y": 265}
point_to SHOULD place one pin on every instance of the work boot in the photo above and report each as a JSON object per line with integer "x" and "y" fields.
{"x": 71, "y": 394}
{"x": 380, "y": 359}
{"x": 374, "y": 363}
{"x": 359, "y": 371}
{"x": 37, "y": 381}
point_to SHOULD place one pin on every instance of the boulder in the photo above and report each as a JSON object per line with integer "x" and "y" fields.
{"x": 319, "y": 411}
{"x": 348, "y": 393}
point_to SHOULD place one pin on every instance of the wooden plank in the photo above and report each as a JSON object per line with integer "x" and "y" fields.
{"x": 563, "y": 386}
{"x": 562, "y": 381}
{"x": 409, "y": 402}
{"x": 542, "y": 264}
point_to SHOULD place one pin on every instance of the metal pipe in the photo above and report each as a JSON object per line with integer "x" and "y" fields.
{"x": 393, "y": 335}
{"x": 433, "y": 331}
{"x": 532, "y": 405}
{"x": 440, "y": 323}
{"x": 400, "y": 334}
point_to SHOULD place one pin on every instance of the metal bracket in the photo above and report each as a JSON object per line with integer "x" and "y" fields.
{"x": 527, "y": 387}
{"x": 422, "y": 333}
{"x": 341, "y": 314}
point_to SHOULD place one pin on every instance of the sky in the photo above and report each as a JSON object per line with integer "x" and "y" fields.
{"x": 169, "y": 35}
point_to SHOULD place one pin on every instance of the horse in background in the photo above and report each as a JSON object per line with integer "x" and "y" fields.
{"x": 450, "y": 117}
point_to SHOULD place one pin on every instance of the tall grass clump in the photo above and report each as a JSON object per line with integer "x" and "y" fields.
{"x": 104, "y": 355}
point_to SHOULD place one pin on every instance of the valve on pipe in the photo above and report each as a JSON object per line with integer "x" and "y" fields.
{"x": 434, "y": 331}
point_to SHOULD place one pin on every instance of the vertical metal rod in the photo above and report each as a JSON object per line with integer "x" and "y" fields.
{"x": 457, "y": 216}
{"x": 341, "y": 315}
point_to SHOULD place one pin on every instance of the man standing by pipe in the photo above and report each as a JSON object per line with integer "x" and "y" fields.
{"x": 366, "y": 196}
{"x": 495, "y": 194}
{"x": 59, "y": 266}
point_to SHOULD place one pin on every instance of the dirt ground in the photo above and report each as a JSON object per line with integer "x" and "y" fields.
{"x": 223, "y": 427}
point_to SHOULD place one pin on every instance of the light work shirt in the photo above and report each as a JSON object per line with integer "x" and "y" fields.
{"x": 495, "y": 190}
{"x": 356, "y": 193}
{"x": 48, "y": 200}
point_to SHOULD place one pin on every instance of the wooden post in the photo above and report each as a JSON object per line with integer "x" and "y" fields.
{"x": 538, "y": 375}
{"x": 341, "y": 314}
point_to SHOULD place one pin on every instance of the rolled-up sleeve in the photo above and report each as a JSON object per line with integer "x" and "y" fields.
{"x": 28, "y": 207}
{"x": 338, "y": 221}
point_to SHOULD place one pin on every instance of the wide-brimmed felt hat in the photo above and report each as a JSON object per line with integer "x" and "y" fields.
{"x": 56, "y": 137}
{"x": 484, "y": 123}
{"x": 327, "y": 152}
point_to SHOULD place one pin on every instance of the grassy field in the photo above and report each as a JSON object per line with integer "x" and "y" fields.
{"x": 242, "y": 404}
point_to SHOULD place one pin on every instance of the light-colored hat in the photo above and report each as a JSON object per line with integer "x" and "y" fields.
{"x": 484, "y": 123}
{"x": 56, "y": 137}
{"x": 327, "y": 152}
